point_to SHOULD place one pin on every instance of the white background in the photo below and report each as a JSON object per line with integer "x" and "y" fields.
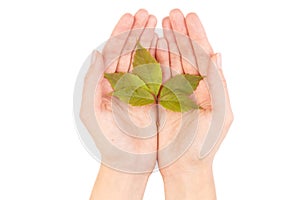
{"x": 44, "y": 43}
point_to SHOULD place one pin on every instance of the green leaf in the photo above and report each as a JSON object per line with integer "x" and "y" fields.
{"x": 147, "y": 68}
{"x": 151, "y": 74}
{"x": 193, "y": 80}
{"x": 144, "y": 85}
{"x": 142, "y": 56}
{"x": 129, "y": 81}
{"x": 137, "y": 97}
{"x": 113, "y": 78}
{"x": 177, "y": 103}
{"x": 129, "y": 88}
{"x": 175, "y": 93}
{"x": 182, "y": 83}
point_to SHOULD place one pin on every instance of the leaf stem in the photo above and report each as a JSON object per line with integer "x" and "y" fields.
{"x": 158, "y": 94}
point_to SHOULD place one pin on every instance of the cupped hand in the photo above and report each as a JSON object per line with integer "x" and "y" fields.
{"x": 124, "y": 135}
{"x": 189, "y": 141}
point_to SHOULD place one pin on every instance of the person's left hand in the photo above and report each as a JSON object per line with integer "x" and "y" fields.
{"x": 124, "y": 135}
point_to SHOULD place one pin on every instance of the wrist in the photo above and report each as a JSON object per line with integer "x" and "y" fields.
{"x": 127, "y": 177}
{"x": 200, "y": 167}
{"x": 194, "y": 183}
{"x": 113, "y": 184}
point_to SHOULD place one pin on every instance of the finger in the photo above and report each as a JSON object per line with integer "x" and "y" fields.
{"x": 222, "y": 115}
{"x": 125, "y": 23}
{"x": 140, "y": 21}
{"x": 151, "y": 48}
{"x": 162, "y": 55}
{"x": 217, "y": 59}
{"x": 175, "y": 62}
{"x": 183, "y": 42}
{"x": 201, "y": 46}
{"x": 196, "y": 32}
{"x": 148, "y": 33}
{"x": 113, "y": 47}
{"x": 148, "y": 38}
{"x": 153, "y": 45}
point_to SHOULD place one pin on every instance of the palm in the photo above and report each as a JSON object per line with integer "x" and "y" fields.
{"x": 124, "y": 135}
{"x": 183, "y": 135}
{"x": 126, "y": 123}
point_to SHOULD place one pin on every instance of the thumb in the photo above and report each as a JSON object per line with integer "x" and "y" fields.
{"x": 217, "y": 60}
{"x": 91, "y": 91}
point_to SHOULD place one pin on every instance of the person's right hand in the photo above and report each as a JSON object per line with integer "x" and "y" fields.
{"x": 125, "y": 135}
{"x": 189, "y": 141}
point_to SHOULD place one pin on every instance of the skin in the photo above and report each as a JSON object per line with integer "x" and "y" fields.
{"x": 187, "y": 177}
{"x": 103, "y": 98}
{"x": 122, "y": 175}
